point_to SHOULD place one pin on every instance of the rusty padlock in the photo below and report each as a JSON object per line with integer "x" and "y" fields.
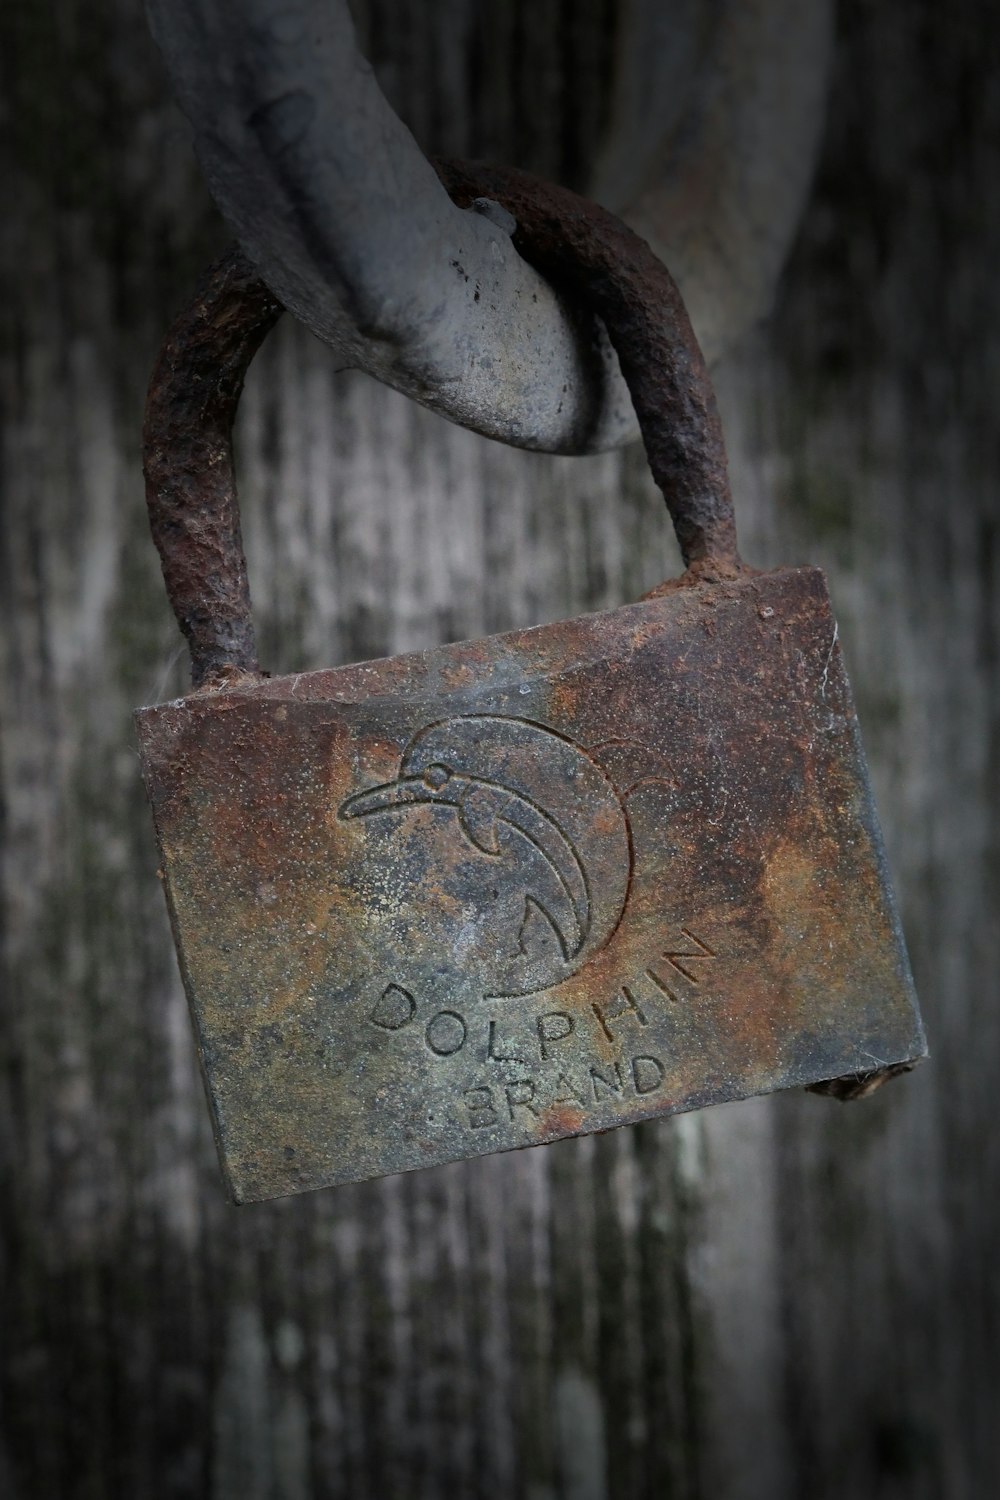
{"x": 500, "y": 892}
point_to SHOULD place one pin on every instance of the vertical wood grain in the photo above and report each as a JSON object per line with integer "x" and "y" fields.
{"x": 780, "y": 1298}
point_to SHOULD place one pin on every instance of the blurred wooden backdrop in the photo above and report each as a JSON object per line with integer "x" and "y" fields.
{"x": 784, "y": 1298}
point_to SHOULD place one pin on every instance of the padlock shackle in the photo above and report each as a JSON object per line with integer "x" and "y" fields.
{"x": 198, "y": 378}
{"x": 609, "y": 269}
{"x": 187, "y": 459}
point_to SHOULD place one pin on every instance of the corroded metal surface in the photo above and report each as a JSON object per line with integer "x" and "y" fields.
{"x": 187, "y": 450}
{"x": 527, "y": 887}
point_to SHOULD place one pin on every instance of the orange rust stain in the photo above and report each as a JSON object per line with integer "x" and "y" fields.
{"x": 561, "y": 1119}
{"x": 458, "y": 675}
{"x": 605, "y": 822}
{"x": 563, "y": 696}
{"x": 801, "y": 888}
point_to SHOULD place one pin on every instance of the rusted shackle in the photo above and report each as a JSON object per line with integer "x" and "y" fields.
{"x": 199, "y": 374}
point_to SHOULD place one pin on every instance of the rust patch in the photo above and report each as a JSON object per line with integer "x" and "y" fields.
{"x": 188, "y": 464}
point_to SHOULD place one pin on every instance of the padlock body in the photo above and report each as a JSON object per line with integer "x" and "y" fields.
{"x": 531, "y": 886}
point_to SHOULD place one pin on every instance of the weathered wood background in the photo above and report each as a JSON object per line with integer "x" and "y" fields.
{"x": 785, "y": 1298}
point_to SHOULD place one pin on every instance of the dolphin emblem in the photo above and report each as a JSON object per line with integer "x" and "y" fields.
{"x": 552, "y": 810}
{"x": 484, "y": 808}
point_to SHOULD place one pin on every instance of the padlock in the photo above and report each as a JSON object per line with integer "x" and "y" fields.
{"x": 499, "y": 892}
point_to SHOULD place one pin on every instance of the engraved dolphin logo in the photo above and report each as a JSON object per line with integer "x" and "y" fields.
{"x": 485, "y": 805}
{"x": 554, "y": 810}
